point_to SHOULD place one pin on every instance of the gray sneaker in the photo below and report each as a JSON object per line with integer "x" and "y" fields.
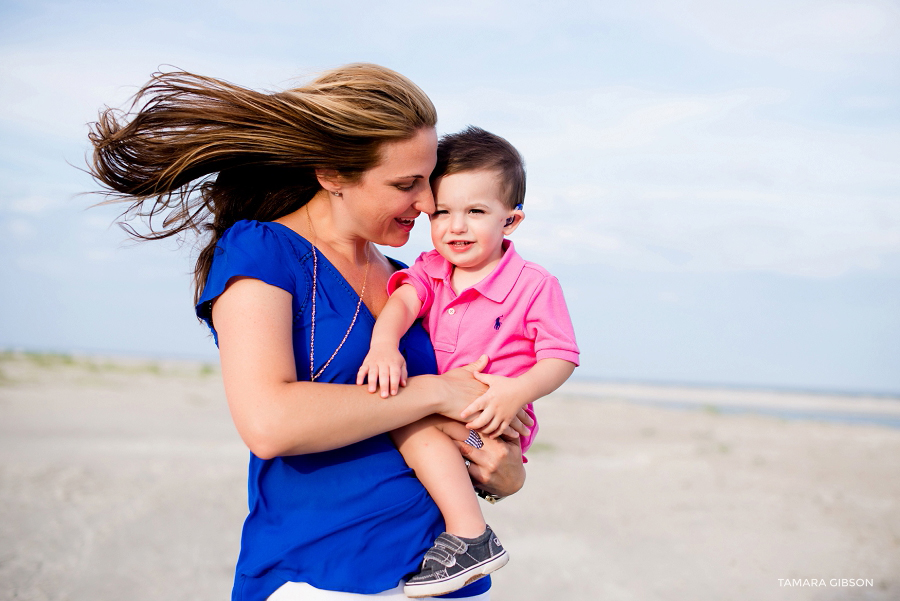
{"x": 454, "y": 562}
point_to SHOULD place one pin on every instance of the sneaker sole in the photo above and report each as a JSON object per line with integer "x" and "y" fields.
{"x": 454, "y": 583}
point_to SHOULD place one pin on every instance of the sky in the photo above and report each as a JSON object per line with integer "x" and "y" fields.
{"x": 716, "y": 185}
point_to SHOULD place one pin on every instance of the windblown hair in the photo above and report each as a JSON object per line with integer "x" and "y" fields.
{"x": 200, "y": 153}
{"x": 475, "y": 149}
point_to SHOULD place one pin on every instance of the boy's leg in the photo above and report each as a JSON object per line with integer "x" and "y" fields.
{"x": 435, "y": 458}
{"x": 469, "y": 549}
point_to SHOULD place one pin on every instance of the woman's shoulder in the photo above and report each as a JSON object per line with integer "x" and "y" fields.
{"x": 248, "y": 234}
{"x": 266, "y": 247}
{"x": 266, "y": 251}
{"x": 396, "y": 263}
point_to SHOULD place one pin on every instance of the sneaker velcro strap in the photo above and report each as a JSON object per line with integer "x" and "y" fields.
{"x": 451, "y": 543}
{"x": 441, "y": 555}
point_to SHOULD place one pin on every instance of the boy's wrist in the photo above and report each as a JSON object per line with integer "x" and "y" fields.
{"x": 383, "y": 345}
{"x": 524, "y": 391}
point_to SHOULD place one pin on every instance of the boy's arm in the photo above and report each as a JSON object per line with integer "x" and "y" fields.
{"x": 384, "y": 364}
{"x": 500, "y": 403}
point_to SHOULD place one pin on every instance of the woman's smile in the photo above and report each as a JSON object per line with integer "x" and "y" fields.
{"x": 406, "y": 224}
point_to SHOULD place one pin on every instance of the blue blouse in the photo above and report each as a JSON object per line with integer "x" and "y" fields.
{"x": 353, "y": 519}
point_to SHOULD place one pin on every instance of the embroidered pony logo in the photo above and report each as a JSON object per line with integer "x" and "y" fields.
{"x": 497, "y": 323}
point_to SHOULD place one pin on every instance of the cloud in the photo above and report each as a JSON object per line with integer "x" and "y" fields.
{"x": 721, "y": 182}
{"x": 808, "y": 236}
{"x": 825, "y": 35}
{"x": 630, "y": 171}
{"x": 20, "y": 229}
{"x": 30, "y": 205}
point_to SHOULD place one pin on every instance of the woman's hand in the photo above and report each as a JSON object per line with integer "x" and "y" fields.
{"x": 497, "y": 466}
{"x": 466, "y": 382}
{"x": 460, "y": 388}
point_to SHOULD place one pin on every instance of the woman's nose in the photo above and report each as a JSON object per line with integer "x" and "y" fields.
{"x": 425, "y": 201}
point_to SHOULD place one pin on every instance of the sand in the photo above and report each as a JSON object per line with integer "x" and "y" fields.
{"x": 126, "y": 480}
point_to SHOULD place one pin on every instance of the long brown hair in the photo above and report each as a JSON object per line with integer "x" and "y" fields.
{"x": 200, "y": 153}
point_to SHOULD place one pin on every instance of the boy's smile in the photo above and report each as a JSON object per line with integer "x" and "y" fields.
{"x": 469, "y": 224}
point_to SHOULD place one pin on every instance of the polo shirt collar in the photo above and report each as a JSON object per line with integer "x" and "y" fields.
{"x": 496, "y": 285}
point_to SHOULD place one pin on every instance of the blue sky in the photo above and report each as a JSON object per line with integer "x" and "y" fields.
{"x": 715, "y": 184}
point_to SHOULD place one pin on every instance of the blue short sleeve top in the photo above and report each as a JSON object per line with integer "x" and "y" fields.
{"x": 353, "y": 519}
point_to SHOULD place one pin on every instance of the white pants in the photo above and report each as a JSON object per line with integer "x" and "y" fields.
{"x": 301, "y": 591}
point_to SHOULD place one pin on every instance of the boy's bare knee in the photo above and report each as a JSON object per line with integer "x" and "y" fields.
{"x": 418, "y": 429}
{"x": 453, "y": 429}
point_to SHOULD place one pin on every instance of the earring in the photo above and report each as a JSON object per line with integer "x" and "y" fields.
{"x": 336, "y": 193}
{"x": 510, "y": 220}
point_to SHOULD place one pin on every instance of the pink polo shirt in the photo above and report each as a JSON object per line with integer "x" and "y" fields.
{"x": 516, "y": 316}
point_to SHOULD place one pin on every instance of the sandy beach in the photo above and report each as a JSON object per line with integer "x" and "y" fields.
{"x": 125, "y": 479}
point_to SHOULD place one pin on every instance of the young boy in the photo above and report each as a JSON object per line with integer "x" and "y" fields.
{"x": 478, "y": 296}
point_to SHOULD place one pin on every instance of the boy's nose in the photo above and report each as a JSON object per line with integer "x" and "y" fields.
{"x": 458, "y": 223}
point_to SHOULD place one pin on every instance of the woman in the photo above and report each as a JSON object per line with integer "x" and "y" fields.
{"x": 295, "y": 187}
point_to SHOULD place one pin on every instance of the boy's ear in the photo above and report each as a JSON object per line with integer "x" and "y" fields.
{"x": 329, "y": 179}
{"x": 513, "y": 221}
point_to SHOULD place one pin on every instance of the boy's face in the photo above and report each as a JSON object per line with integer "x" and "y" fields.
{"x": 469, "y": 223}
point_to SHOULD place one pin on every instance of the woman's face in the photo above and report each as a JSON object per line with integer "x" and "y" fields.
{"x": 387, "y": 198}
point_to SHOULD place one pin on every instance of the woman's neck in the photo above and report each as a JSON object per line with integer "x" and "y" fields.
{"x": 318, "y": 221}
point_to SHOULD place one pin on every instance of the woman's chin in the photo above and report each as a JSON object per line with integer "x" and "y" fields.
{"x": 393, "y": 239}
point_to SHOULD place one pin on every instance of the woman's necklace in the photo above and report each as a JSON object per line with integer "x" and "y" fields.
{"x": 312, "y": 336}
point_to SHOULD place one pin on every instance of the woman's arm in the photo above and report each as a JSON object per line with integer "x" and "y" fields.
{"x": 275, "y": 415}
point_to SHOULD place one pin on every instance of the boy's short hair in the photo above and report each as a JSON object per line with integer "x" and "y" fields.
{"x": 473, "y": 149}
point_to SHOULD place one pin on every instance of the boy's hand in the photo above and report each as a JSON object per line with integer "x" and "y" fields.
{"x": 498, "y": 406}
{"x": 385, "y": 366}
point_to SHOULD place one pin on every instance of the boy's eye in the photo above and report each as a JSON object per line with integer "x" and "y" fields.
{"x": 439, "y": 212}
{"x": 476, "y": 211}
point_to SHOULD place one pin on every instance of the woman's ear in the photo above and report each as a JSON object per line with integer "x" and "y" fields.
{"x": 513, "y": 221}
{"x": 330, "y": 180}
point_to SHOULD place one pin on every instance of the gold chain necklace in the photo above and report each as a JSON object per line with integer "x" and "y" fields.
{"x": 312, "y": 336}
